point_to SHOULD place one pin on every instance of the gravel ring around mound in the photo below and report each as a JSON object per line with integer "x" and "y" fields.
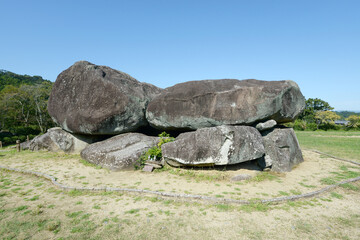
{"x": 191, "y": 196}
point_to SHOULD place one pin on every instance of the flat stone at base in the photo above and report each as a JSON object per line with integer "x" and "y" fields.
{"x": 240, "y": 177}
{"x": 156, "y": 165}
{"x": 148, "y": 168}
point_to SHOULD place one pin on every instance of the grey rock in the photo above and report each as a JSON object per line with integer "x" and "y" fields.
{"x": 119, "y": 152}
{"x": 148, "y": 168}
{"x": 92, "y": 99}
{"x": 198, "y": 104}
{"x": 25, "y": 145}
{"x": 155, "y": 164}
{"x": 220, "y": 145}
{"x": 240, "y": 177}
{"x": 265, "y": 162}
{"x": 266, "y": 125}
{"x": 283, "y": 149}
{"x": 57, "y": 140}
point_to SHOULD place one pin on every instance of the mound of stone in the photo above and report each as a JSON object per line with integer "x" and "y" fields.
{"x": 95, "y": 100}
{"x": 57, "y": 140}
{"x": 282, "y": 150}
{"x": 119, "y": 152}
{"x": 198, "y": 104}
{"x": 222, "y": 145}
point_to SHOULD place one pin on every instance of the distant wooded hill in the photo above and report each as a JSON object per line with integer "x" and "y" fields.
{"x": 13, "y": 79}
{"x": 346, "y": 114}
{"x": 23, "y": 106}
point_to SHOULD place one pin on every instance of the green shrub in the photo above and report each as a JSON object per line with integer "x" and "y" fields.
{"x": 289, "y": 124}
{"x": 299, "y": 125}
{"x": 155, "y": 152}
{"x": 26, "y": 130}
{"x": 22, "y": 138}
{"x": 311, "y": 126}
{"x": 7, "y": 140}
{"x": 14, "y": 138}
{"x": 329, "y": 126}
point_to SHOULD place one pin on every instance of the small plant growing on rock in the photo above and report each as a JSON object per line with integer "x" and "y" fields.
{"x": 154, "y": 153}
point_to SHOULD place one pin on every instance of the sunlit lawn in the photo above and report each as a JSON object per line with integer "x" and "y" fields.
{"x": 338, "y": 143}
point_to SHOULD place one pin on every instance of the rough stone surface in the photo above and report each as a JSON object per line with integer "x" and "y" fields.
{"x": 57, "y": 140}
{"x": 266, "y": 125}
{"x": 119, "y": 152}
{"x": 25, "y": 145}
{"x": 265, "y": 162}
{"x": 148, "y": 168}
{"x": 282, "y": 148}
{"x": 207, "y": 103}
{"x": 92, "y": 99}
{"x": 220, "y": 145}
{"x": 240, "y": 177}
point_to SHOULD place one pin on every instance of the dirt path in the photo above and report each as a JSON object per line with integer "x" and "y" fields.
{"x": 69, "y": 215}
{"x": 213, "y": 183}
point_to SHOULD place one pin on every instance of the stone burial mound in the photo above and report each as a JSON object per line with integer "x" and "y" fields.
{"x": 222, "y": 122}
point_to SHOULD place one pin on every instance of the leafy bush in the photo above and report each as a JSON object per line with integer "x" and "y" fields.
{"x": 299, "y": 125}
{"x": 329, "y": 126}
{"x": 22, "y": 138}
{"x": 155, "y": 152}
{"x": 7, "y": 140}
{"x": 14, "y": 138}
{"x": 311, "y": 126}
{"x": 26, "y": 130}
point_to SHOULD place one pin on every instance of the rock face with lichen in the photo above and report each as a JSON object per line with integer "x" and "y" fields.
{"x": 282, "y": 149}
{"x": 222, "y": 145}
{"x": 98, "y": 100}
{"x": 57, "y": 140}
{"x": 119, "y": 152}
{"x": 198, "y": 104}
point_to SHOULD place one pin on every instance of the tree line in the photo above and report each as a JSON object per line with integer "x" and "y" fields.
{"x": 318, "y": 115}
{"x": 23, "y": 106}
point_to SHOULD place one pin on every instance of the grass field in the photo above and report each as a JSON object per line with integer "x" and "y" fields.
{"x": 32, "y": 208}
{"x": 338, "y": 143}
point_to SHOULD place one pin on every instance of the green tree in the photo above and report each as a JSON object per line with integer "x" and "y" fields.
{"x": 8, "y": 107}
{"x": 39, "y": 99}
{"x": 326, "y": 117}
{"x": 354, "y": 121}
{"x": 23, "y": 102}
{"x": 312, "y": 106}
{"x": 25, "y": 105}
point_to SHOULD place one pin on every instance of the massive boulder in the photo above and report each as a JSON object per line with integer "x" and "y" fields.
{"x": 57, "y": 140}
{"x": 222, "y": 145}
{"x": 207, "y": 103}
{"x": 92, "y": 99}
{"x": 282, "y": 149}
{"x": 119, "y": 152}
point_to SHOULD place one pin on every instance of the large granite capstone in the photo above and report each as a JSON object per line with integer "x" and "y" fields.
{"x": 207, "y": 103}
{"x": 96, "y": 100}
{"x": 222, "y": 145}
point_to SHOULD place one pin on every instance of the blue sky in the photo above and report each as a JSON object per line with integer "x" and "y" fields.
{"x": 315, "y": 43}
